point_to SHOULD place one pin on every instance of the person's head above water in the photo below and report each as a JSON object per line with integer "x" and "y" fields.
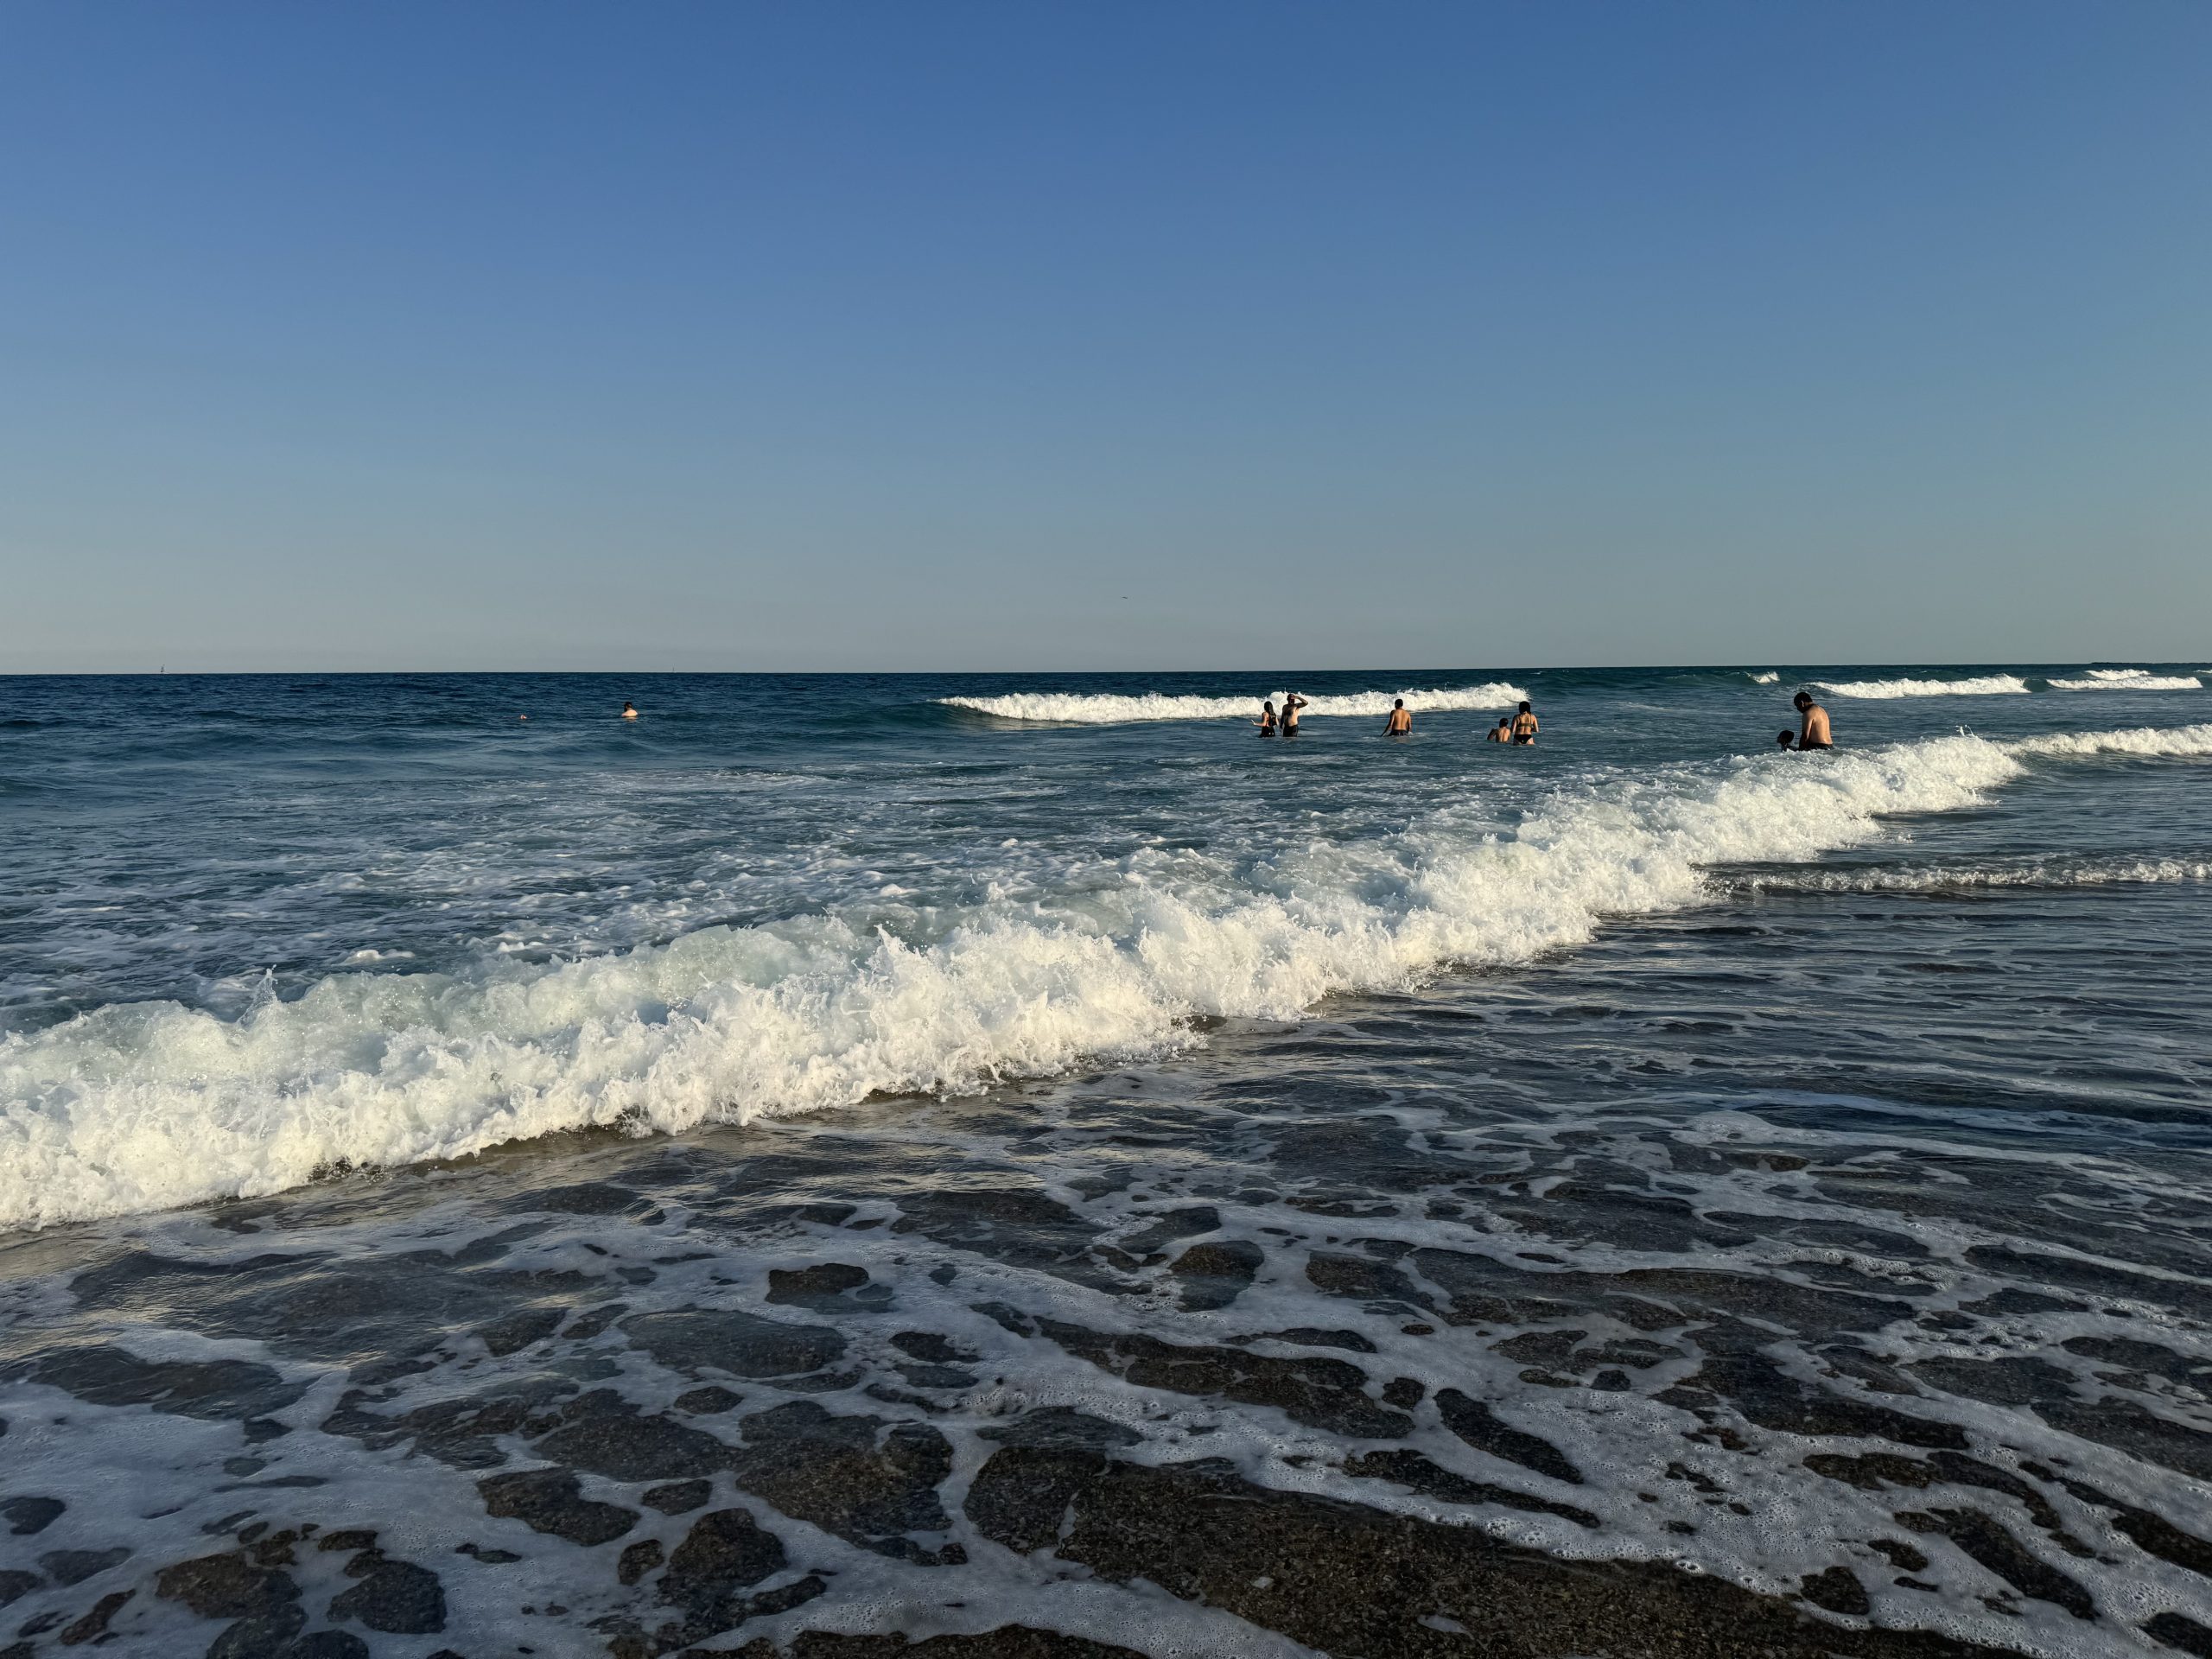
{"x": 1526, "y": 710}
{"x": 1802, "y": 700}
{"x": 1398, "y": 703}
{"x": 1785, "y": 738}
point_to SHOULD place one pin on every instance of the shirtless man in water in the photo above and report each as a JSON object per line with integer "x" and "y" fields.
{"x": 1400, "y": 722}
{"x": 1814, "y": 735}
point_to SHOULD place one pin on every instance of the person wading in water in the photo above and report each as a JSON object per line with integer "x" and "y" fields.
{"x": 1815, "y": 734}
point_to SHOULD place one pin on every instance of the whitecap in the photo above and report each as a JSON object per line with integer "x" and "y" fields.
{"x": 2128, "y": 679}
{"x": 1087, "y": 709}
{"x": 1987, "y": 685}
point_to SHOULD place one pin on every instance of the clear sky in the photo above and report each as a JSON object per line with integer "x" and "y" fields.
{"x": 929, "y": 334}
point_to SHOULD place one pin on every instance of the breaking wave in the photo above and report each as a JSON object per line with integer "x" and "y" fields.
{"x": 1767, "y": 677}
{"x": 148, "y": 1105}
{"x": 2135, "y": 740}
{"x": 2128, "y": 679}
{"x": 1987, "y": 685}
{"x": 1068, "y": 707}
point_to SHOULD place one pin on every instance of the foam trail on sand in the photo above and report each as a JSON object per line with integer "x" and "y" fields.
{"x": 1089, "y": 710}
{"x": 1987, "y": 685}
{"x": 2128, "y": 679}
{"x": 147, "y": 1105}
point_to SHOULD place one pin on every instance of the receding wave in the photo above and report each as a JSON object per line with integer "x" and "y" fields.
{"x": 1986, "y": 685}
{"x": 2128, "y": 679}
{"x": 150, "y": 1105}
{"x": 1084, "y": 708}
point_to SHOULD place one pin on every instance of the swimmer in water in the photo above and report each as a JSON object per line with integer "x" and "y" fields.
{"x": 1291, "y": 703}
{"x": 1400, "y": 722}
{"x": 1267, "y": 719}
{"x": 1503, "y": 732}
{"x": 1815, "y": 734}
{"x": 1524, "y": 727}
{"x": 1785, "y": 738}
{"x": 629, "y": 711}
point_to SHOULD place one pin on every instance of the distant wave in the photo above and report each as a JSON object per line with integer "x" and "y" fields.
{"x": 2128, "y": 679}
{"x": 1767, "y": 679}
{"x": 1987, "y": 685}
{"x": 2138, "y": 740}
{"x": 150, "y": 1105}
{"x": 1068, "y": 707}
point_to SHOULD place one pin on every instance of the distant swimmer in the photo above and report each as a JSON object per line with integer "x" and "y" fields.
{"x": 1267, "y": 721}
{"x": 629, "y": 711}
{"x": 1816, "y": 733}
{"x": 1292, "y": 703}
{"x": 1503, "y": 732}
{"x": 1524, "y": 727}
{"x": 1400, "y": 722}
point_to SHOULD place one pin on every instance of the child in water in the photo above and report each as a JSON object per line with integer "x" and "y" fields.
{"x": 1785, "y": 739}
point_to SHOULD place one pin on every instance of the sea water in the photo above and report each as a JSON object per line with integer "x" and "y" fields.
{"x": 1647, "y": 1148}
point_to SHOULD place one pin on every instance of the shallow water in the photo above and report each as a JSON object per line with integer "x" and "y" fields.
{"x": 1393, "y": 1197}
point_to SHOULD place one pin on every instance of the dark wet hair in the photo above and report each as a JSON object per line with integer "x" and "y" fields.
{"x": 1524, "y": 708}
{"x": 1785, "y": 735}
{"x": 1802, "y": 699}
{"x": 1398, "y": 703}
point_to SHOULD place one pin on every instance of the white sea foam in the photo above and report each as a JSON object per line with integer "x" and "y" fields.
{"x": 1088, "y": 710}
{"x": 1987, "y": 685}
{"x": 148, "y": 1105}
{"x": 1936, "y": 878}
{"x": 2128, "y": 679}
{"x": 2135, "y": 740}
{"x": 1766, "y": 678}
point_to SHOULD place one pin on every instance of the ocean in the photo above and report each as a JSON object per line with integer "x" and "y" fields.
{"x": 1022, "y": 1165}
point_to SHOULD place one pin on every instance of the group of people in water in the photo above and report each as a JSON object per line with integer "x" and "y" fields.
{"x": 1519, "y": 728}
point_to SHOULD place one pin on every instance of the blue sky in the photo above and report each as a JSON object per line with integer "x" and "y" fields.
{"x": 1111, "y": 335}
